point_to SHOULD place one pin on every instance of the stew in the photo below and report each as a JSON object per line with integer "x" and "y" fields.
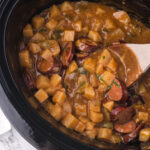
{"x": 76, "y": 73}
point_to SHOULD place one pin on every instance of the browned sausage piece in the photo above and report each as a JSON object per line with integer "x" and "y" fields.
{"x": 67, "y": 54}
{"x": 118, "y": 91}
{"x": 81, "y": 56}
{"x": 29, "y": 79}
{"x": 125, "y": 128}
{"x": 131, "y": 136}
{"x": 114, "y": 113}
{"x": 45, "y": 66}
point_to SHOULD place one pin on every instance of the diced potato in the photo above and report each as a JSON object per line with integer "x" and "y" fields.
{"x": 112, "y": 65}
{"x": 70, "y": 121}
{"x": 33, "y": 102}
{"x": 82, "y": 79}
{"x": 122, "y": 17}
{"x": 38, "y": 37}
{"x": 51, "y": 90}
{"x": 99, "y": 69}
{"x": 96, "y": 24}
{"x": 83, "y": 119}
{"x": 108, "y": 77}
{"x": 56, "y": 111}
{"x": 109, "y": 24}
{"x": 85, "y": 29}
{"x": 96, "y": 117}
{"x": 115, "y": 139}
{"x": 144, "y": 135}
{"x": 89, "y": 65}
{"x": 69, "y": 35}
{"x": 67, "y": 106}
{"x": 78, "y": 26}
{"x": 104, "y": 57}
{"x": 28, "y": 31}
{"x": 25, "y": 60}
{"x": 72, "y": 67}
{"x": 54, "y": 47}
{"x": 95, "y": 106}
{"x": 89, "y": 92}
{"x": 95, "y": 36}
{"x": 143, "y": 116}
{"x": 80, "y": 127}
{"x": 54, "y": 11}
{"x": 51, "y": 24}
{"x": 90, "y": 125}
{"x": 105, "y": 133}
{"x": 34, "y": 48}
{"x": 42, "y": 82}
{"x": 102, "y": 88}
{"x": 100, "y": 11}
{"x": 41, "y": 95}
{"x": 91, "y": 133}
{"x": 46, "y": 54}
{"x": 109, "y": 105}
{"x": 59, "y": 97}
{"x": 80, "y": 109}
{"x": 94, "y": 80}
{"x": 66, "y": 6}
{"x": 37, "y": 21}
{"x": 55, "y": 80}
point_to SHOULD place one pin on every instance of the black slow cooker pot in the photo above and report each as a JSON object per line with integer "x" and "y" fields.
{"x": 14, "y": 14}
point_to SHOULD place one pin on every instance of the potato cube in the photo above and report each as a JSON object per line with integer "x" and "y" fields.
{"x": 51, "y": 90}
{"x": 102, "y": 88}
{"x": 95, "y": 36}
{"x": 122, "y": 17}
{"x": 80, "y": 127}
{"x": 33, "y": 102}
{"x": 89, "y": 65}
{"x": 46, "y": 54}
{"x": 112, "y": 65}
{"x": 51, "y": 24}
{"x": 54, "y": 11}
{"x": 89, "y": 92}
{"x": 25, "y": 60}
{"x": 37, "y": 21}
{"x": 78, "y": 26}
{"x": 56, "y": 111}
{"x": 82, "y": 79}
{"x": 67, "y": 106}
{"x": 41, "y": 95}
{"x": 105, "y": 133}
{"x": 70, "y": 121}
{"x": 28, "y": 31}
{"x": 104, "y": 57}
{"x": 55, "y": 80}
{"x": 72, "y": 67}
{"x": 109, "y": 105}
{"x": 108, "y": 77}
{"x": 143, "y": 116}
{"x": 42, "y": 82}
{"x": 96, "y": 117}
{"x": 83, "y": 119}
{"x": 69, "y": 35}
{"x": 91, "y": 133}
{"x": 100, "y": 11}
{"x": 99, "y": 69}
{"x": 95, "y": 106}
{"x": 94, "y": 80}
{"x": 90, "y": 125}
{"x": 144, "y": 135}
{"x": 115, "y": 139}
{"x": 59, "y": 97}
{"x": 80, "y": 109}
{"x": 109, "y": 24}
{"x": 34, "y": 48}
{"x": 38, "y": 37}
{"x": 66, "y": 6}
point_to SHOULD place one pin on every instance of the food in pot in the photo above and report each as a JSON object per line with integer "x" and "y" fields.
{"x": 75, "y": 74}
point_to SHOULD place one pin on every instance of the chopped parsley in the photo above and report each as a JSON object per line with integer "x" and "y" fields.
{"x": 66, "y": 86}
{"x": 100, "y": 78}
{"x": 103, "y": 57}
{"x": 109, "y": 87}
{"x": 44, "y": 29}
{"x": 116, "y": 83}
{"x": 84, "y": 72}
{"x": 57, "y": 34}
{"x": 105, "y": 30}
{"x": 134, "y": 96}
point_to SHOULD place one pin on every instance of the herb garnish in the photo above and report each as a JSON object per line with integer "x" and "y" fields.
{"x": 105, "y": 30}
{"x": 100, "y": 78}
{"x": 57, "y": 34}
{"x": 44, "y": 29}
{"x": 116, "y": 83}
{"x": 109, "y": 87}
{"x": 84, "y": 72}
{"x": 66, "y": 85}
{"x": 103, "y": 57}
{"x": 134, "y": 96}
